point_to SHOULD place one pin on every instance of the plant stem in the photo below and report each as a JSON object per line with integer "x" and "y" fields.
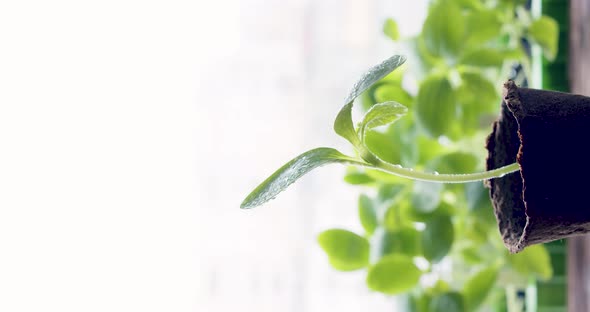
{"x": 443, "y": 178}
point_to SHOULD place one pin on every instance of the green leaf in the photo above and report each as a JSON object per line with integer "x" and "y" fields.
{"x": 358, "y": 178}
{"x": 393, "y": 274}
{"x": 391, "y": 198}
{"x": 384, "y": 177}
{"x": 429, "y": 148}
{"x": 478, "y": 202}
{"x": 402, "y": 241}
{"x": 367, "y": 98}
{"x": 437, "y": 238}
{"x": 408, "y": 137}
{"x": 471, "y": 4}
{"x": 512, "y": 3}
{"x": 426, "y": 196}
{"x": 448, "y": 302}
{"x": 374, "y": 74}
{"x": 482, "y": 26}
{"x": 390, "y": 29}
{"x": 435, "y": 106}
{"x": 344, "y": 126}
{"x": 532, "y": 260}
{"x": 477, "y": 90}
{"x": 399, "y": 214}
{"x": 292, "y": 171}
{"x": 367, "y": 214}
{"x": 392, "y": 92}
{"x": 484, "y": 57}
{"x": 421, "y": 60}
{"x": 478, "y": 231}
{"x": 478, "y": 287}
{"x": 477, "y": 196}
{"x": 443, "y": 29}
{"x": 384, "y": 146}
{"x": 545, "y": 32}
{"x": 470, "y": 255}
{"x": 389, "y": 192}
{"x": 517, "y": 54}
{"x": 440, "y": 287}
{"x": 479, "y": 98}
{"x": 455, "y": 163}
{"x": 419, "y": 302}
{"x": 346, "y": 251}
{"x": 380, "y": 115}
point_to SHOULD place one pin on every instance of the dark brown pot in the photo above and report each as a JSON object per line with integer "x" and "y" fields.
{"x": 548, "y": 134}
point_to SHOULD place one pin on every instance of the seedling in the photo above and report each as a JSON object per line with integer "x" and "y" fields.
{"x": 380, "y": 114}
{"x": 535, "y": 128}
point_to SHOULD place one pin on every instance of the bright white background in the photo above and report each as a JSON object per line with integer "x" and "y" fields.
{"x": 131, "y": 130}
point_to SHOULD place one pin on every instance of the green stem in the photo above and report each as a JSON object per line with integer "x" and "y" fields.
{"x": 442, "y": 178}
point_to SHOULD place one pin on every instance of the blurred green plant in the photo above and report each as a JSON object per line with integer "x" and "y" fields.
{"x": 436, "y": 243}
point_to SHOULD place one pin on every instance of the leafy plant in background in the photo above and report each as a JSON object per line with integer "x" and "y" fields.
{"x": 437, "y": 243}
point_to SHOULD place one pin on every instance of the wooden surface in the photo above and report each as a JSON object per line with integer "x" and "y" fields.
{"x": 579, "y": 71}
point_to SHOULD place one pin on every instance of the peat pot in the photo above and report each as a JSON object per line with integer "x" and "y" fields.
{"x": 548, "y": 134}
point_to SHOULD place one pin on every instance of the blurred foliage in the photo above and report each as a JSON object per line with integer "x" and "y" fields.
{"x": 452, "y": 86}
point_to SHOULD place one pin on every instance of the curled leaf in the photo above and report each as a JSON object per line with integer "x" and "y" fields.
{"x": 373, "y": 75}
{"x": 344, "y": 126}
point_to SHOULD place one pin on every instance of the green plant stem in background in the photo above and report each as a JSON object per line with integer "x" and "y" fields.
{"x": 444, "y": 178}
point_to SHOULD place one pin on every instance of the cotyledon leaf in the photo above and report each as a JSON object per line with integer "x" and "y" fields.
{"x": 380, "y": 115}
{"x": 292, "y": 171}
{"x": 343, "y": 124}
